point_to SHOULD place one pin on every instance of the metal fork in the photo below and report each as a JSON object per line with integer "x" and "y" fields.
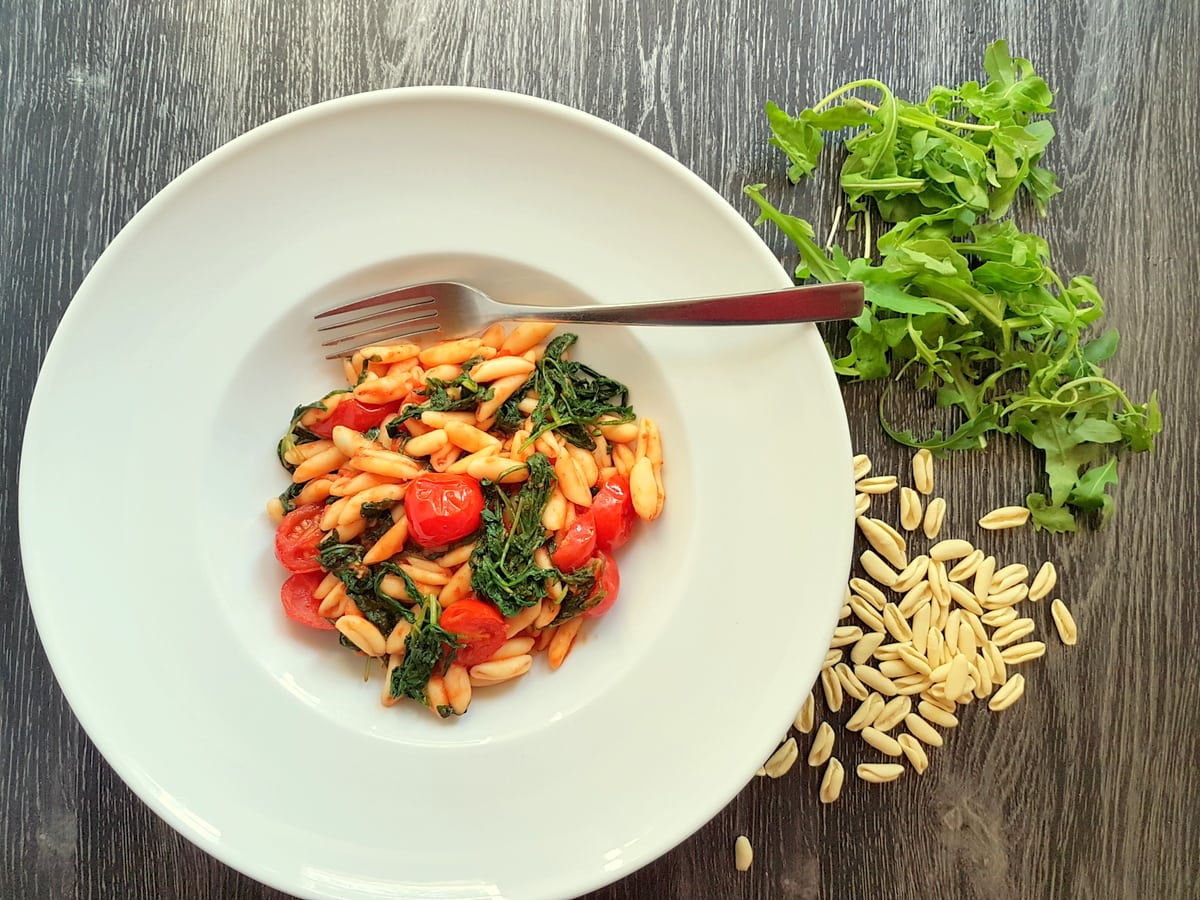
{"x": 448, "y": 309}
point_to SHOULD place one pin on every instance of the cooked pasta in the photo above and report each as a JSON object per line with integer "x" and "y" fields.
{"x": 453, "y": 509}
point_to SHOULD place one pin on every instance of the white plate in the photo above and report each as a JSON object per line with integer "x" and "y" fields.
{"x": 149, "y": 455}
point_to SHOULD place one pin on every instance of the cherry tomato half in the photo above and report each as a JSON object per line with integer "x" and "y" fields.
{"x": 479, "y": 626}
{"x": 442, "y": 508}
{"x": 613, "y": 508}
{"x": 609, "y": 582}
{"x": 353, "y": 413}
{"x": 298, "y": 601}
{"x": 297, "y": 537}
{"x": 576, "y": 543}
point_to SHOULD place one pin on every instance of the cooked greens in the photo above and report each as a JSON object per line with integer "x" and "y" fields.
{"x": 427, "y": 643}
{"x": 463, "y": 392}
{"x": 424, "y": 651}
{"x": 559, "y": 395}
{"x": 573, "y": 397}
{"x": 288, "y": 498}
{"x": 502, "y": 566}
{"x": 296, "y": 433}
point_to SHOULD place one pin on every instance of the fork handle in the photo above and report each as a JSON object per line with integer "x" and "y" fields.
{"x": 807, "y": 303}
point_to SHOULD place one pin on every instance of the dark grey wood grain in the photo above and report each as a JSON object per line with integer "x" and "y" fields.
{"x": 1086, "y": 788}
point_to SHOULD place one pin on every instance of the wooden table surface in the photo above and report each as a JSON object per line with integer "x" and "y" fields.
{"x": 1086, "y": 788}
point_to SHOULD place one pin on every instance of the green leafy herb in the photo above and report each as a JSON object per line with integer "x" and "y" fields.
{"x": 502, "y": 565}
{"x": 363, "y": 370}
{"x": 460, "y": 393}
{"x": 346, "y": 562}
{"x": 424, "y": 649}
{"x": 572, "y": 397}
{"x": 581, "y": 594}
{"x": 288, "y": 497}
{"x": 362, "y": 583}
{"x": 296, "y": 433}
{"x": 410, "y": 587}
{"x": 377, "y": 509}
{"x": 428, "y": 643}
{"x": 509, "y": 417}
{"x": 959, "y": 299}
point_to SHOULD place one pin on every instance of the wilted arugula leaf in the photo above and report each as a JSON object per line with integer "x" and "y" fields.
{"x": 461, "y": 393}
{"x": 427, "y": 646}
{"x": 288, "y": 498}
{"x": 503, "y": 569}
{"x": 573, "y": 397}
{"x": 296, "y": 433}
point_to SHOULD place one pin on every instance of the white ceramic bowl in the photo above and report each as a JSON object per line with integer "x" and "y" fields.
{"x": 149, "y": 455}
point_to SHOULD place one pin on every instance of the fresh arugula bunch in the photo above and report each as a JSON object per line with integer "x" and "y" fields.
{"x": 957, "y": 295}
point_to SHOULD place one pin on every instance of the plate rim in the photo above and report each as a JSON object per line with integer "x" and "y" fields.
{"x": 197, "y": 171}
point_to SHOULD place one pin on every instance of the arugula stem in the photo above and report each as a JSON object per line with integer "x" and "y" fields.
{"x": 1093, "y": 379}
{"x": 923, "y": 351}
{"x": 941, "y": 120}
{"x": 1053, "y": 401}
{"x": 970, "y": 399}
{"x": 846, "y": 88}
{"x": 992, "y": 317}
{"x": 1018, "y": 323}
{"x": 951, "y": 310}
{"x": 837, "y": 219}
{"x": 889, "y": 184}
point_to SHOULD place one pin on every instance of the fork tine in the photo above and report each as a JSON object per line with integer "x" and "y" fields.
{"x": 389, "y": 331}
{"x": 397, "y": 328}
{"x": 349, "y": 348}
{"x": 382, "y": 314}
{"x": 414, "y": 292}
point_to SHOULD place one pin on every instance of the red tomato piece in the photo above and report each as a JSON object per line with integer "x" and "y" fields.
{"x": 297, "y": 537}
{"x": 300, "y": 604}
{"x": 353, "y": 413}
{"x": 442, "y": 508}
{"x": 613, "y": 510}
{"x": 576, "y": 543}
{"x": 479, "y": 626}
{"x": 608, "y": 584}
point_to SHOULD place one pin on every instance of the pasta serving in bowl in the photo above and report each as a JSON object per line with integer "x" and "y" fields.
{"x": 722, "y": 470}
{"x": 454, "y": 510}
